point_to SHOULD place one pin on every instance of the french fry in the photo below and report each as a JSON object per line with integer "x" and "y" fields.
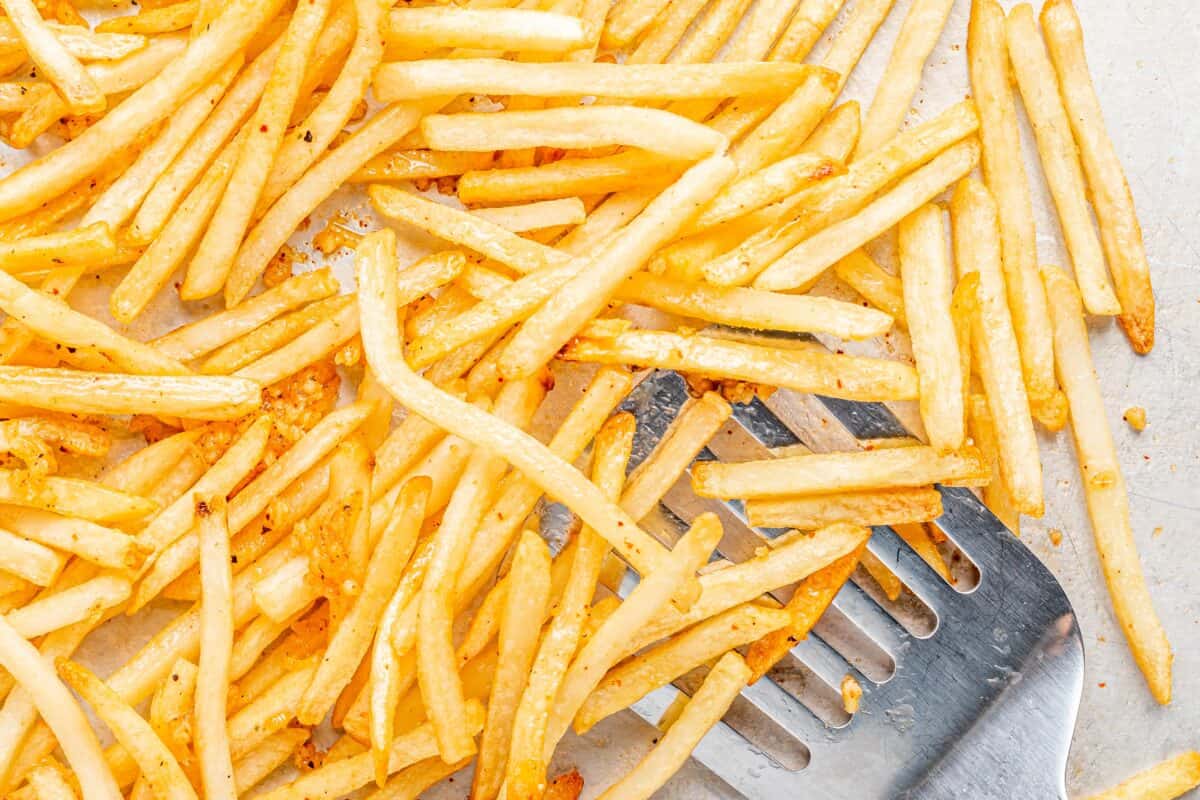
{"x": 768, "y": 185}
{"x": 106, "y": 547}
{"x": 410, "y": 782}
{"x": 1104, "y": 487}
{"x": 267, "y": 339}
{"x": 1120, "y": 232}
{"x": 917, "y": 536}
{"x": 488, "y": 29}
{"x": 536, "y": 216}
{"x": 628, "y": 169}
{"x": 270, "y": 711}
{"x": 805, "y": 262}
{"x": 927, "y": 279}
{"x": 666, "y": 32}
{"x": 628, "y": 19}
{"x": 173, "y": 17}
{"x": 964, "y": 309}
{"x": 170, "y": 718}
{"x": 1060, "y": 159}
{"x": 215, "y": 253}
{"x": 807, "y": 24}
{"x": 468, "y": 230}
{"x": 58, "y": 323}
{"x": 811, "y": 597}
{"x": 837, "y": 135}
{"x": 275, "y": 751}
{"x": 633, "y": 679}
{"x": 409, "y": 165}
{"x": 919, "y": 32}
{"x": 410, "y": 80}
{"x": 518, "y": 644}
{"x": 49, "y": 783}
{"x": 81, "y": 42}
{"x": 1004, "y": 172}
{"x": 216, "y": 646}
{"x": 872, "y": 507}
{"x": 705, "y": 709}
{"x": 751, "y": 308}
{"x": 850, "y": 377}
{"x": 793, "y": 119}
{"x": 584, "y": 295}
{"x": 881, "y": 289}
{"x": 824, "y": 473}
{"x": 72, "y": 497}
{"x": 995, "y": 495}
{"x": 78, "y": 247}
{"x": 977, "y": 249}
{"x": 68, "y": 606}
{"x": 574, "y": 128}
{"x": 59, "y": 66}
{"x": 318, "y": 342}
{"x": 1168, "y": 779}
{"x": 204, "y": 336}
{"x": 29, "y": 560}
{"x": 32, "y": 185}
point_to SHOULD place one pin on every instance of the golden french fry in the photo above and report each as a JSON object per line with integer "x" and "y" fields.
{"x": 964, "y": 309}
{"x": 173, "y": 17}
{"x": 1166, "y": 780}
{"x": 275, "y": 751}
{"x": 487, "y": 29}
{"x": 996, "y": 495}
{"x": 106, "y": 547}
{"x": 872, "y": 507}
{"x": 409, "y": 165}
{"x": 1104, "y": 487}
{"x": 68, "y": 606}
{"x": 772, "y": 183}
{"x": 806, "y": 371}
{"x": 629, "y": 169}
{"x": 1120, "y": 232}
{"x": 1060, "y": 159}
{"x": 216, "y": 646}
{"x": 881, "y": 289}
{"x": 808, "y": 22}
{"x": 536, "y": 216}
{"x": 267, "y": 339}
{"x": 58, "y": 65}
{"x": 927, "y": 280}
{"x": 78, "y": 247}
{"x": 977, "y": 249}
{"x": 29, "y": 560}
{"x": 916, "y": 535}
{"x": 49, "y": 782}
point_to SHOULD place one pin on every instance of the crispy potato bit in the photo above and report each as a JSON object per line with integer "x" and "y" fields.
{"x": 1136, "y": 418}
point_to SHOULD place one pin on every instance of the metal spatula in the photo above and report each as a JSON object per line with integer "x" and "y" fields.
{"x": 970, "y": 690}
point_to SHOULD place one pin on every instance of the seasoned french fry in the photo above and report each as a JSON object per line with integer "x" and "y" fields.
{"x": 78, "y": 247}
{"x": 409, "y": 165}
{"x": 267, "y": 339}
{"x": 629, "y": 169}
{"x": 59, "y": 66}
{"x": 66, "y": 607}
{"x": 824, "y": 473}
{"x": 106, "y": 547}
{"x": 977, "y": 249}
{"x": 275, "y": 751}
{"x": 927, "y": 279}
{"x": 316, "y": 343}
{"x": 806, "y": 371}
{"x": 768, "y": 185}
{"x": 1060, "y": 158}
{"x": 996, "y": 495}
{"x": 881, "y": 289}
{"x": 577, "y": 128}
{"x": 73, "y": 497}
{"x": 1120, "y": 232}
{"x": 216, "y": 646}
{"x": 705, "y": 709}
{"x": 487, "y": 29}
{"x": 173, "y": 17}
{"x": 1104, "y": 487}
{"x": 964, "y": 309}
{"x": 1166, "y": 780}
{"x": 873, "y": 507}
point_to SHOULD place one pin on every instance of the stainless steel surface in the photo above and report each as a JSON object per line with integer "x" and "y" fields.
{"x": 1004, "y": 657}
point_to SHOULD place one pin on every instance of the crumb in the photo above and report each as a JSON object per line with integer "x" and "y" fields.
{"x": 1158, "y": 531}
{"x": 851, "y": 694}
{"x": 282, "y": 266}
{"x": 1056, "y": 537}
{"x": 1136, "y": 418}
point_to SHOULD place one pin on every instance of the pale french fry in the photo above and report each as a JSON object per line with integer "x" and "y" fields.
{"x": 32, "y": 185}
{"x": 768, "y": 185}
{"x": 665, "y": 33}
{"x": 811, "y": 597}
{"x": 29, "y": 560}
{"x": 267, "y": 339}
{"x": 342, "y": 776}
{"x": 1104, "y": 487}
{"x": 518, "y": 644}
{"x": 410, "y": 782}
{"x": 832, "y": 201}
{"x": 633, "y": 679}
{"x": 72, "y": 497}
{"x": 269, "y": 711}
{"x": 466, "y": 229}
{"x": 995, "y": 495}
{"x": 823, "y": 373}
{"x": 49, "y": 783}
{"x": 873, "y": 507}
{"x": 824, "y": 473}
{"x": 285, "y": 592}
{"x": 805, "y": 262}
{"x": 58, "y": 323}
{"x": 59, "y": 67}
{"x": 71, "y": 605}
{"x": 881, "y": 289}
{"x": 486, "y": 29}
{"x": 410, "y": 80}
{"x": 628, "y": 19}
{"x": 810, "y": 20}
{"x": 173, "y": 17}
{"x": 79, "y": 41}
{"x": 704, "y": 710}
{"x": 629, "y": 169}
{"x": 919, "y": 32}
{"x": 353, "y": 636}
{"x": 375, "y": 269}
{"x": 794, "y": 119}
{"x": 275, "y": 751}
{"x": 60, "y": 711}
{"x": 574, "y": 128}
{"x": 78, "y": 247}
{"x": 1060, "y": 159}
{"x": 216, "y": 646}
{"x": 608, "y": 642}
{"x": 536, "y": 216}
{"x": 316, "y": 343}
{"x": 1004, "y": 172}
{"x": 527, "y": 763}
{"x": 927, "y": 280}
{"x": 977, "y": 249}
{"x": 106, "y": 547}
{"x": 204, "y": 336}
{"x": 1120, "y": 232}
{"x": 751, "y": 308}
{"x": 1166, "y": 780}
{"x": 215, "y": 253}
{"x": 584, "y": 295}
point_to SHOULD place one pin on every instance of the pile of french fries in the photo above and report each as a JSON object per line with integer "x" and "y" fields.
{"x": 374, "y": 564}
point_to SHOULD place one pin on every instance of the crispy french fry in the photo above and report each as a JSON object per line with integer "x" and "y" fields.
{"x": 318, "y": 342}
{"x": 68, "y": 606}
{"x": 1120, "y": 232}
{"x": 881, "y": 289}
{"x": 106, "y": 547}
{"x": 806, "y": 371}
{"x": 996, "y": 495}
{"x": 35, "y": 563}
{"x": 59, "y": 66}
{"x": 824, "y": 473}
{"x": 72, "y": 497}
{"x": 1060, "y": 159}
{"x": 266, "y": 339}
{"x": 964, "y": 309}
{"x": 577, "y": 128}
{"x": 1104, "y": 487}
{"x": 78, "y": 247}
{"x": 1166, "y": 780}
{"x": 807, "y": 24}
{"x": 216, "y": 646}
{"x": 916, "y": 535}
{"x": 409, "y": 165}
{"x": 568, "y": 177}
{"x": 768, "y": 185}
{"x": 977, "y": 249}
{"x": 1004, "y": 172}
{"x": 173, "y": 17}
{"x": 872, "y": 507}
{"x": 927, "y": 280}
{"x": 705, "y": 709}
{"x": 488, "y": 29}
